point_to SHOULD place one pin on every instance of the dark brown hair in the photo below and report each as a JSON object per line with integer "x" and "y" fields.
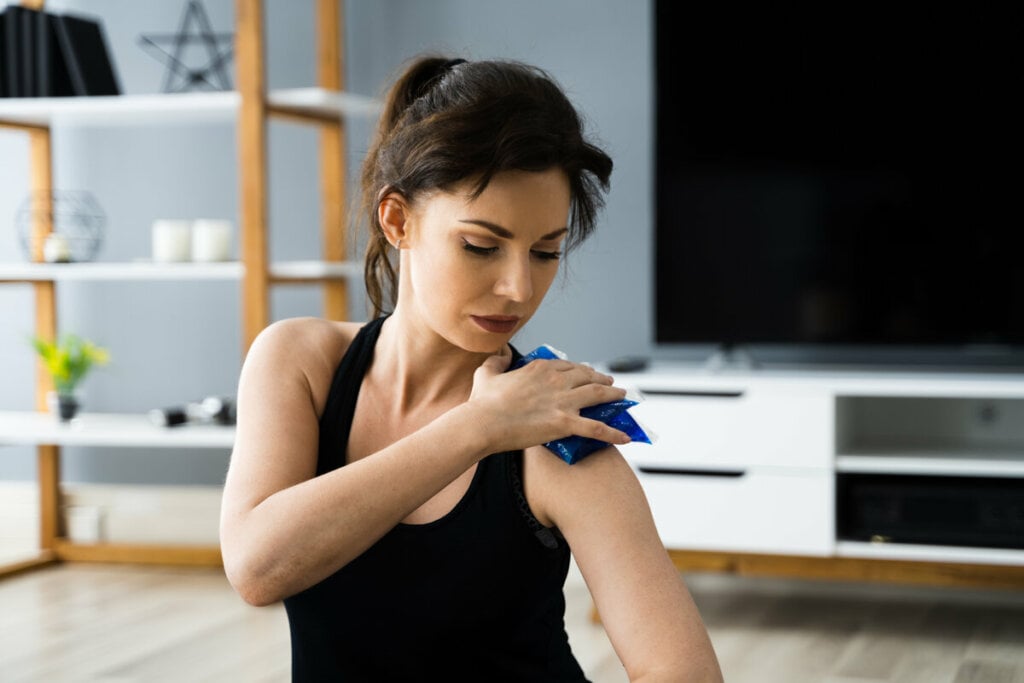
{"x": 446, "y": 121}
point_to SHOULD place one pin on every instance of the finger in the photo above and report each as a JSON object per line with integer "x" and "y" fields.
{"x": 583, "y": 375}
{"x": 600, "y": 431}
{"x": 593, "y": 394}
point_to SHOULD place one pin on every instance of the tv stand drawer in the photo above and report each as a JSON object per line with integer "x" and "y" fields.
{"x": 742, "y": 511}
{"x": 711, "y": 429}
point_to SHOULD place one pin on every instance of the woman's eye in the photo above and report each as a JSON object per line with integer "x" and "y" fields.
{"x": 479, "y": 251}
{"x": 547, "y": 255}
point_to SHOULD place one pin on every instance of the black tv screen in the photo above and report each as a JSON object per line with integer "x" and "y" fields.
{"x": 839, "y": 174}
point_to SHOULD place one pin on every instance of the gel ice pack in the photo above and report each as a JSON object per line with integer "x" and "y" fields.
{"x": 615, "y": 414}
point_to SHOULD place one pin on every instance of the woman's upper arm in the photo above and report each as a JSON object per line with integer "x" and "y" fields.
{"x": 277, "y": 434}
{"x": 651, "y": 620}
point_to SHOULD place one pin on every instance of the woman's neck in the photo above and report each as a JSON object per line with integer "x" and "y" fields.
{"x": 419, "y": 367}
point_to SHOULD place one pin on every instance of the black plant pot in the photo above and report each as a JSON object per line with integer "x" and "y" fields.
{"x": 67, "y": 406}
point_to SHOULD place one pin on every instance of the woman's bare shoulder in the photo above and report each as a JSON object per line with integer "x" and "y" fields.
{"x": 307, "y": 337}
{"x": 307, "y": 345}
{"x": 551, "y": 484}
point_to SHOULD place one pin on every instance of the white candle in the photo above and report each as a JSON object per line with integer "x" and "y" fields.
{"x": 172, "y": 240}
{"x": 211, "y": 240}
{"x": 56, "y": 248}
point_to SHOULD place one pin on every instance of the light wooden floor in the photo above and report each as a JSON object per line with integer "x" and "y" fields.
{"x": 113, "y": 624}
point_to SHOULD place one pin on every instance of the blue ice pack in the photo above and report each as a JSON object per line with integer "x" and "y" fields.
{"x": 615, "y": 414}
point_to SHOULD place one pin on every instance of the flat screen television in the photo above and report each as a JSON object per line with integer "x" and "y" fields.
{"x": 839, "y": 174}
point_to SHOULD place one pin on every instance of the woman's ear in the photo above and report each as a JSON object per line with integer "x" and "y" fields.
{"x": 392, "y": 213}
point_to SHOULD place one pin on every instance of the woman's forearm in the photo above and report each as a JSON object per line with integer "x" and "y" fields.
{"x": 302, "y": 534}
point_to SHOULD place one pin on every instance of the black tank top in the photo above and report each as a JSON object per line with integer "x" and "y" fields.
{"x": 473, "y": 596}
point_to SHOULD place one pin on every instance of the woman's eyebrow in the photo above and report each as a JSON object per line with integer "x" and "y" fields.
{"x": 506, "y": 233}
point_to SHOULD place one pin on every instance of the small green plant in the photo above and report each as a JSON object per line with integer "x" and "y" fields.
{"x": 69, "y": 360}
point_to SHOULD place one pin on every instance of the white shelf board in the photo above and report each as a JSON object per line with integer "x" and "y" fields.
{"x": 19, "y": 428}
{"x": 176, "y": 108}
{"x": 147, "y": 270}
{"x": 325, "y": 102}
{"x": 932, "y": 456}
{"x": 929, "y": 553}
{"x": 316, "y": 269}
{"x": 141, "y": 270}
{"x": 988, "y": 464}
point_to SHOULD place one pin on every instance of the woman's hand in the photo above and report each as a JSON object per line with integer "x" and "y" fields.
{"x": 541, "y": 402}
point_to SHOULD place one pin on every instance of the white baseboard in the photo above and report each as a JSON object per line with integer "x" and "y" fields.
{"x": 114, "y": 514}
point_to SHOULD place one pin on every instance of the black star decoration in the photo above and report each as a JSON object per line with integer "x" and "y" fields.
{"x": 181, "y": 77}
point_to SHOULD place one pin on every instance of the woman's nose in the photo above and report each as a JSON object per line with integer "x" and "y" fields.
{"x": 516, "y": 281}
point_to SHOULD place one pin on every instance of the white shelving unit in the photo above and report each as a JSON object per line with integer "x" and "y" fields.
{"x": 179, "y": 108}
{"x": 116, "y": 430}
{"x": 249, "y": 110}
{"x": 145, "y": 270}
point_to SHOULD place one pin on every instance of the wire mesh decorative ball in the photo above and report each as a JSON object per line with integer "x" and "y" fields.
{"x": 74, "y": 214}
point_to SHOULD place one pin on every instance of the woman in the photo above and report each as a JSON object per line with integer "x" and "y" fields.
{"x": 386, "y": 480}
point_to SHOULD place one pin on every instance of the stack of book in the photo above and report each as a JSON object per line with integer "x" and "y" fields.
{"x": 53, "y": 55}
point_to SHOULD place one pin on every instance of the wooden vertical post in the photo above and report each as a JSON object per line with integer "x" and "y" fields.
{"x": 332, "y": 156}
{"x": 41, "y": 202}
{"x": 252, "y": 157}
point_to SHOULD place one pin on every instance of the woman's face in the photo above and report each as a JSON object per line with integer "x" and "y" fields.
{"x": 475, "y": 270}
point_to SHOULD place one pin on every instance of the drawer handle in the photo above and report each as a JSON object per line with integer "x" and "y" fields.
{"x": 684, "y": 472}
{"x": 693, "y": 394}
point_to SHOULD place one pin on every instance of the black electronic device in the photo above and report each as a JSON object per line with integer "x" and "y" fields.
{"x": 211, "y": 410}
{"x": 830, "y": 176}
{"x": 966, "y": 511}
{"x": 628, "y": 364}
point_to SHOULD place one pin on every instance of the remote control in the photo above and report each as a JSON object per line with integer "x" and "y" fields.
{"x": 627, "y": 364}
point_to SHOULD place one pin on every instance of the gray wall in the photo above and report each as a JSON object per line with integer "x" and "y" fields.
{"x": 174, "y": 342}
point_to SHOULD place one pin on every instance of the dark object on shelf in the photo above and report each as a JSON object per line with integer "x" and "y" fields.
{"x": 73, "y": 214}
{"x": 10, "y": 51}
{"x": 212, "y": 74}
{"x": 52, "y": 76}
{"x": 211, "y": 410}
{"x": 29, "y": 67}
{"x": 977, "y": 512}
{"x": 84, "y": 48}
{"x": 53, "y": 55}
{"x": 628, "y": 364}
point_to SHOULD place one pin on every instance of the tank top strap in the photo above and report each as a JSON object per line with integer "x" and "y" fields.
{"x": 341, "y": 399}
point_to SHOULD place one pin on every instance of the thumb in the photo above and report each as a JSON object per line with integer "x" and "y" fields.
{"x": 495, "y": 365}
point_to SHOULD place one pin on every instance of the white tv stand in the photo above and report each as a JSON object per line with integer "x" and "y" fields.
{"x": 742, "y": 474}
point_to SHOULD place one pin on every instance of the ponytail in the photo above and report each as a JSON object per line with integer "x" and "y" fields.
{"x": 379, "y": 272}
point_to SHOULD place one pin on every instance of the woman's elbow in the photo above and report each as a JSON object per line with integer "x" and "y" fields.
{"x": 252, "y": 586}
{"x": 250, "y": 577}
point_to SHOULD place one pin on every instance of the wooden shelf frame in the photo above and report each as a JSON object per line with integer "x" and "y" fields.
{"x": 250, "y": 106}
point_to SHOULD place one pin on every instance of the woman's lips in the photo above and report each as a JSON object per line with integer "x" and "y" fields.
{"x": 499, "y": 324}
